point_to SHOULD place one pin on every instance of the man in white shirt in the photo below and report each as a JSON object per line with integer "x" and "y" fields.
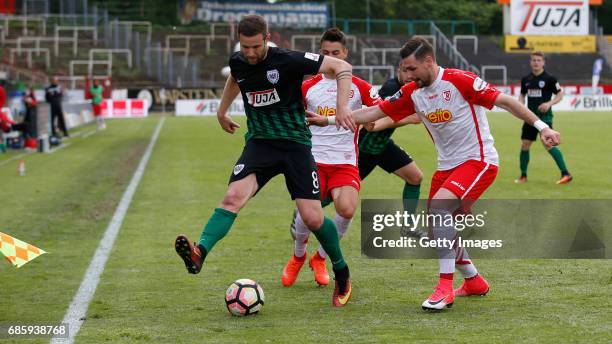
{"x": 451, "y": 104}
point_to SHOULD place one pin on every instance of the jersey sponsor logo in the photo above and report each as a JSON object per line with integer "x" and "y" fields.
{"x": 326, "y": 111}
{"x": 238, "y": 168}
{"x": 311, "y": 56}
{"x": 534, "y": 93}
{"x": 558, "y": 87}
{"x": 447, "y": 95}
{"x": 541, "y": 84}
{"x": 263, "y": 98}
{"x": 479, "y": 84}
{"x": 432, "y": 97}
{"x": 439, "y": 116}
{"x": 273, "y": 76}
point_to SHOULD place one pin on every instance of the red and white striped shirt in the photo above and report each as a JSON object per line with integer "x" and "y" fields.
{"x": 331, "y": 145}
{"x": 453, "y": 111}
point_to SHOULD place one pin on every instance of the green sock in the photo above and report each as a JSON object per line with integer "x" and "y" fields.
{"x": 328, "y": 237}
{"x": 558, "y": 156}
{"x": 326, "y": 202}
{"x": 524, "y": 161}
{"x": 411, "y": 197}
{"x": 217, "y": 227}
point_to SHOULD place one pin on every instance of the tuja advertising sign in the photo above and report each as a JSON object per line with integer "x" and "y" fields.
{"x": 549, "y": 17}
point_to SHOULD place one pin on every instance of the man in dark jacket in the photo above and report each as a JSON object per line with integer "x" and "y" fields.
{"x": 53, "y": 96}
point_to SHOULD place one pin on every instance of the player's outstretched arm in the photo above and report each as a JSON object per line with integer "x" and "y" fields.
{"x": 548, "y": 136}
{"x": 362, "y": 116}
{"x": 230, "y": 92}
{"x": 344, "y": 75}
{"x": 387, "y": 122}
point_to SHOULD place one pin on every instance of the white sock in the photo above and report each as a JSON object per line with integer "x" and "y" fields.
{"x": 301, "y": 236}
{"x": 342, "y": 226}
{"x": 444, "y": 230}
{"x": 464, "y": 264}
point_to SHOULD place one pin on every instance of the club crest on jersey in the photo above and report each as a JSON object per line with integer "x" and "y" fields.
{"x": 273, "y": 76}
{"x": 373, "y": 93}
{"x": 238, "y": 168}
{"x": 263, "y": 98}
{"x": 447, "y": 95}
{"x": 479, "y": 84}
{"x": 439, "y": 116}
{"x": 542, "y": 83}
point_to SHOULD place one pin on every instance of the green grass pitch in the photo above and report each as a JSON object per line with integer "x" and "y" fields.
{"x": 67, "y": 198}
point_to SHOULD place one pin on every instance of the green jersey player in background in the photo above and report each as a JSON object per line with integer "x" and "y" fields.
{"x": 539, "y": 87}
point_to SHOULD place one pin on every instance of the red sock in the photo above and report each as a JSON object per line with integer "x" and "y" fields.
{"x": 446, "y": 280}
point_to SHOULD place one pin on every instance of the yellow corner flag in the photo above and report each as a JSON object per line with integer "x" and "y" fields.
{"x": 16, "y": 251}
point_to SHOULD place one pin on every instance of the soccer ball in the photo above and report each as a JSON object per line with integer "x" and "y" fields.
{"x": 244, "y": 297}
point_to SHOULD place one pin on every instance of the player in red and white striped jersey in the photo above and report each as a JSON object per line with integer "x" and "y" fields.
{"x": 335, "y": 151}
{"x": 451, "y": 104}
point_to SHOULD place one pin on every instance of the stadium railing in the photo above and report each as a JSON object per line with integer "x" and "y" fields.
{"x": 29, "y": 52}
{"x": 450, "y": 50}
{"x": 397, "y": 26}
{"x": 472, "y": 38}
{"x": 504, "y": 70}
{"x": 314, "y": 41}
{"x": 25, "y": 21}
{"x": 56, "y": 41}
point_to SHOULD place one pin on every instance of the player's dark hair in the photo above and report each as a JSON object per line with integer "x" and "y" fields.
{"x": 538, "y": 53}
{"x": 252, "y": 25}
{"x": 418, "y": 46}
{"x": 334, "y": 35}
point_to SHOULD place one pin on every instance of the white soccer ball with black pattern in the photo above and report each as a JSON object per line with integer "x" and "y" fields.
{"x": 244, "y": 297}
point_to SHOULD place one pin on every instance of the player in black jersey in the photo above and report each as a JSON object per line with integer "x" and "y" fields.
{"x": 277, "y": 142}
{"x": 539, "y": 87}
{"x": 376, "y": 148}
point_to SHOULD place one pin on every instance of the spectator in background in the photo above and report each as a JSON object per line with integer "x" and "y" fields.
{"x": 5, "y": 122}
{"x": 53, "y": 96}
{"x": 28, "y": 126}
{"x": 96, "y": 92}
{"x": 2, "y": 94}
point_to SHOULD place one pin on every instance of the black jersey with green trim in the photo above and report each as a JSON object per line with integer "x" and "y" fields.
{"x": 272, "y": 93}
{"x": 374, "y": 142}
{"x": 539, "y": 89}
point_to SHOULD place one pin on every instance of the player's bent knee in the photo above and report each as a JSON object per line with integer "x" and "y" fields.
{"x": 346, "y": 210}
{"x": 415, "y": 178}
{"x": 234, "y": 200}
{"x": 313, "y": 220}
{"x": 526, "y": 145}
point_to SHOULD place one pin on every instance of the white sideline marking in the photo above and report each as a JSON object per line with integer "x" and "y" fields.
{"x": 88, "y": 134}
{"x": 78, "y": 307}
{"x": 15, "y": 158}
{"x": 60, "y": 147}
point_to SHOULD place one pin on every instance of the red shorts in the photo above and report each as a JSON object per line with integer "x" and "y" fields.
{"x": 97, "y": 109}
{"x": 333, "y": 176}
{"x": 467, "y": 181}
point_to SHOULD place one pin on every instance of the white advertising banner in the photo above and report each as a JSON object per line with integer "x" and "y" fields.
{"x": 602, "y": 102}
{"x": 206, "y": 107}
{"x": 549, "y": 17}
